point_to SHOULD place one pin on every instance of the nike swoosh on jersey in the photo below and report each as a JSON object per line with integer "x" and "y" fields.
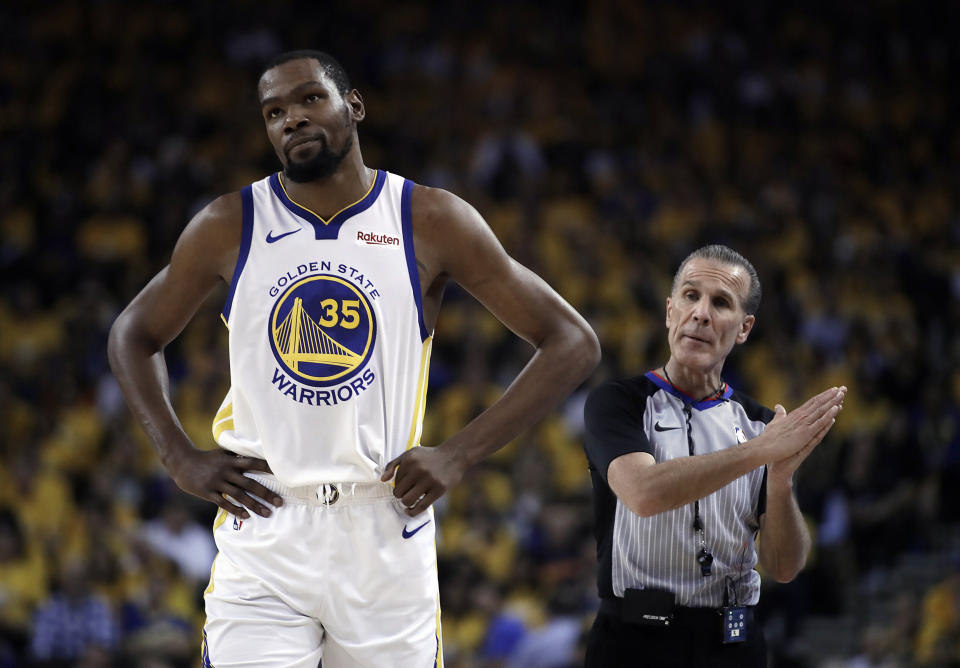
{"x": 271, "y": 239}
{"x": 408, "y": 534}
{"x": 658, "y": 427}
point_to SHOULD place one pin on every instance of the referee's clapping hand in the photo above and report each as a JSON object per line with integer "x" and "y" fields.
{"x": 792, "y": 436}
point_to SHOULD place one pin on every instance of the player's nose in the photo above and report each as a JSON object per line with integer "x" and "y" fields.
{"x": 294, "y": 121}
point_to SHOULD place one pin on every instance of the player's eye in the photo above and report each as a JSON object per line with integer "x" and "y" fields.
{"x": 312, "y": 97}
{"x": 274, "y": 113}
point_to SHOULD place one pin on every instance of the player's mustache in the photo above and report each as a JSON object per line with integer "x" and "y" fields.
{"x": 298, "y": 139}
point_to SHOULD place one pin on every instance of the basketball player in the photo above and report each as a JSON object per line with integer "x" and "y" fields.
{"x": 336, "y": 272}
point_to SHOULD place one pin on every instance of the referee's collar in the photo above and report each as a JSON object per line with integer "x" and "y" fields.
{"x": 665, "y": 385}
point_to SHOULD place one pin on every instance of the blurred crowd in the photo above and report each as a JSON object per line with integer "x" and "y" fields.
{"x": 602, "y": 142}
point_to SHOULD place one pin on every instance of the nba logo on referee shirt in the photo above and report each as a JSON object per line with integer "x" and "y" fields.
{"x": 741, "y": 437}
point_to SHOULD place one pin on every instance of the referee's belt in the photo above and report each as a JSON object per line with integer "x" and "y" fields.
{"x": 614, "y": 608}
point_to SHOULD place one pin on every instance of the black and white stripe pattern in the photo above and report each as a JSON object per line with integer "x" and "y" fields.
{"x": 660, "y": 552}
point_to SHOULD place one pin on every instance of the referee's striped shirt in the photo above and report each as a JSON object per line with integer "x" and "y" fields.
{"x": 646, "y": 414}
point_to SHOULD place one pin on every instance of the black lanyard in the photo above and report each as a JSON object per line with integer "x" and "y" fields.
{"x": 704, "y": 555}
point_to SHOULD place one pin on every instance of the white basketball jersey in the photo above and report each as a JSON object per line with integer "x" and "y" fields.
{"x": 328, "y": 350}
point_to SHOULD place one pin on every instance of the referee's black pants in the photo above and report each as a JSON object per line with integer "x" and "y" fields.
{"x": 693, "y": 640}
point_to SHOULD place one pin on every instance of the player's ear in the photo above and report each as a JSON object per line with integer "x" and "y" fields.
{"x": 745, "y": 327}
{"x": 358, "y": 111}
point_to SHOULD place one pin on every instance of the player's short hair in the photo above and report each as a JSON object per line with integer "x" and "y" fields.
{"x": 726, "y": 255}
{"x": 331, "y": 66}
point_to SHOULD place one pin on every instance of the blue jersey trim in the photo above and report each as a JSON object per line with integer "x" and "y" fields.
{"x": 686, "y": 398}
{"x": 246, "y": 236}
{"x": 406, "y": 222}
{"x": 328, "y": 229}
{"x": 205, "y": 656}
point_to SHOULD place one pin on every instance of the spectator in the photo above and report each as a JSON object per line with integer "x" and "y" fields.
{"x": 73, "y": 624}
{"x": 178, "y": 537}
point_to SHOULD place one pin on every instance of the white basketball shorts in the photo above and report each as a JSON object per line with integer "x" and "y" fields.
{"x": 337, "y": 573}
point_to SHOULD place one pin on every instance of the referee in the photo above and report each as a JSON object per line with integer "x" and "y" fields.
{"x": 686, "y": 471}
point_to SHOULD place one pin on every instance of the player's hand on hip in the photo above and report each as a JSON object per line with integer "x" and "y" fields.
{"x": 214, "y": 475}
{"x": 795, "y": 434}
{"x": 422, "y": 475}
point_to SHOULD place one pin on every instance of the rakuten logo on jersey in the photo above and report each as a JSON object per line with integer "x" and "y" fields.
{"x": 371, "y": 239}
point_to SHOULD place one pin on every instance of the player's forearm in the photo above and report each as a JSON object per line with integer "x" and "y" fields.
{"x": 141, "y": 372}
{"x": 784, "y": 539}
{"x": 559, "y": 365}
{"x": 671, "y": 484}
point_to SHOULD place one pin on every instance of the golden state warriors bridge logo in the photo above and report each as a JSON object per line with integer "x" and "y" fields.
{"x": 322, "y": 331}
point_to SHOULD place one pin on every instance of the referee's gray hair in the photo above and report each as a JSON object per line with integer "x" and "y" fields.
{"x": 726, "y": 255}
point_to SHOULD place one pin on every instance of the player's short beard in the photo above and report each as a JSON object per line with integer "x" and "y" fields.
{"x": 321, "y": 165}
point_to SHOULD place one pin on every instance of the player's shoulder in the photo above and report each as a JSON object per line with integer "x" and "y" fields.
{"x": 225, "y": 209}
{"x": 753, "y": 408}
{"x": 221, "y": 216}
{"x": 216, "y": 227}
{"x": 436, "y": 207}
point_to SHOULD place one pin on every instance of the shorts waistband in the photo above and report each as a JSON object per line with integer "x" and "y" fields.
{"x": 325, "y": 494}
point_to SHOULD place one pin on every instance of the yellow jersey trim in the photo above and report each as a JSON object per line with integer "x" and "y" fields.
{"x": 222, "y": 427}
{"x": 222, "y": 421}
{"x": 421, "y": 404}
{"x": 438, "y": 662}
{"x": 326, "y": 221}
{"x": 217, "y": 523}
{"x": 225, "y": 323}
{"x": 226, "y": 411}
{"x": 213, "y": 566}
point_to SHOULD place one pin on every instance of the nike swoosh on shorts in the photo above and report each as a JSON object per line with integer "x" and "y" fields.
{"x": 407, "y": 534}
